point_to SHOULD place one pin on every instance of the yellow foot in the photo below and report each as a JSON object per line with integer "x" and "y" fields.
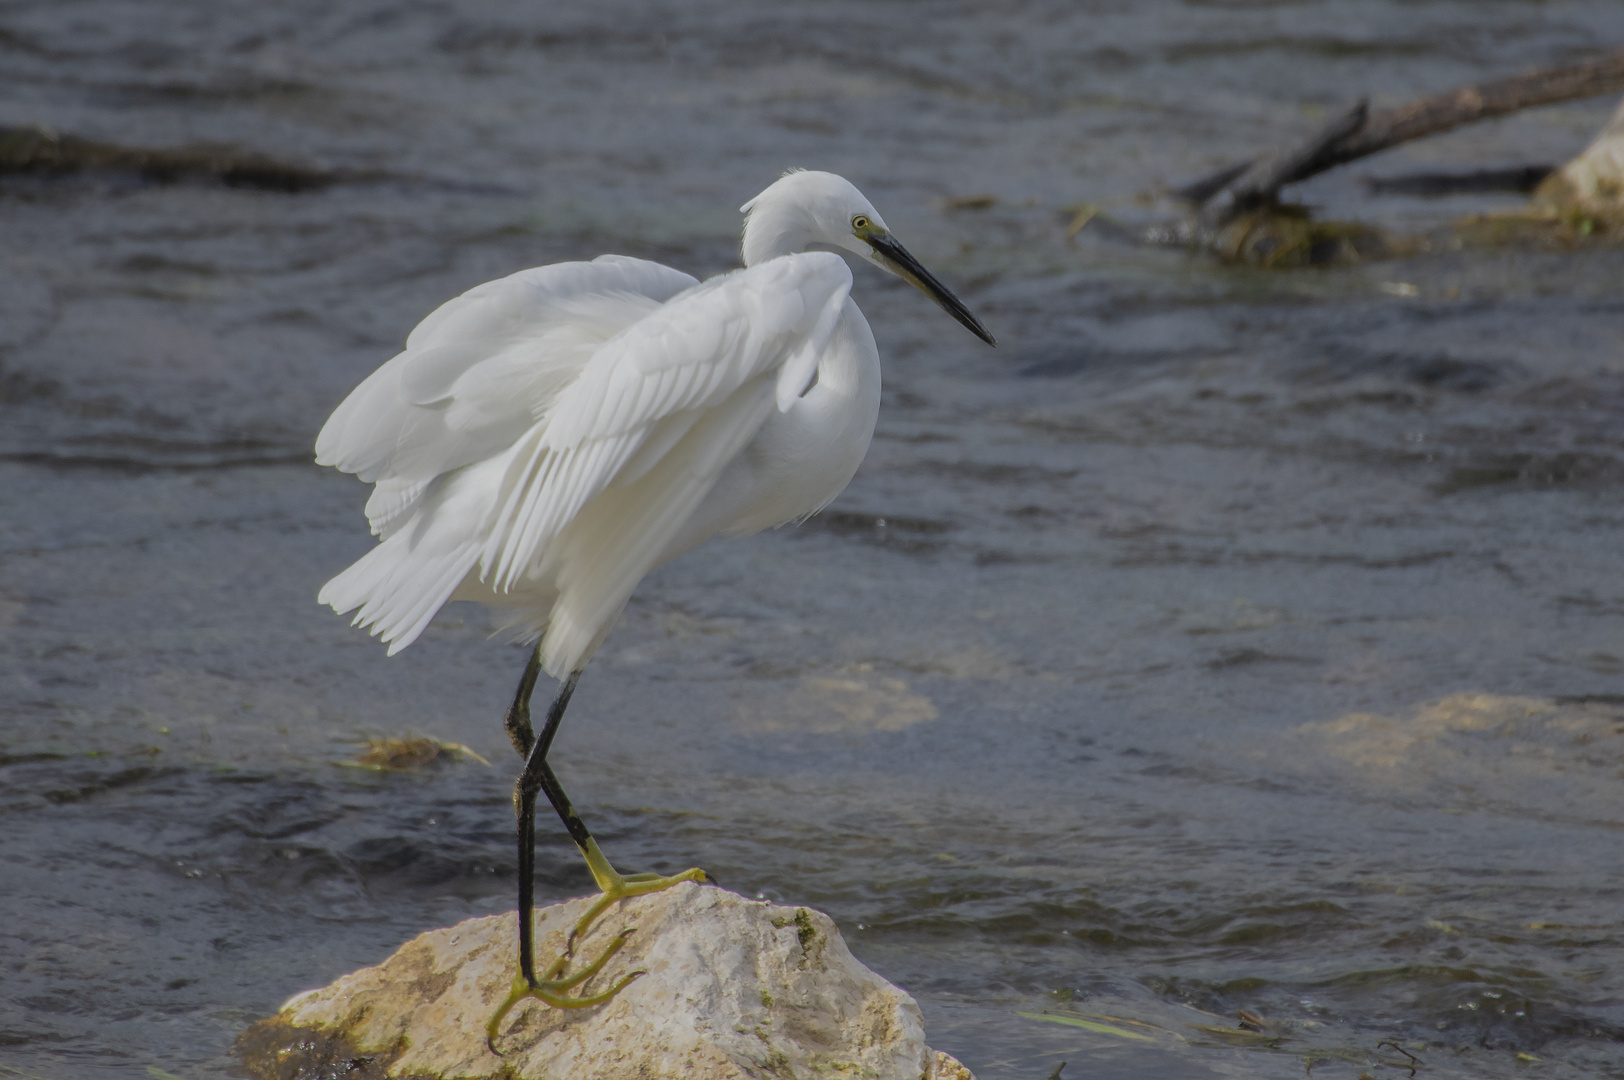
{"x": 552, "y": 988}
{"x": 618, "y": 886}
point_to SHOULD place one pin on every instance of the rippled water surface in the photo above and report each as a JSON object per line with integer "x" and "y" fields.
{"x": 1224, "y": 640}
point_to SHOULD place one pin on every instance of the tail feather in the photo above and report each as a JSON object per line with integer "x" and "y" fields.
{"x": 398, "y": 586}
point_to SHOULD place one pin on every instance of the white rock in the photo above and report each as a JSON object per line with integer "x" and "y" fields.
{"x": 735, "y": 989}
{"x": 1594, "y": 181}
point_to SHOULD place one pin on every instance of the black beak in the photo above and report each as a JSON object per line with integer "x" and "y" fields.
{"x": 895, "y": 256}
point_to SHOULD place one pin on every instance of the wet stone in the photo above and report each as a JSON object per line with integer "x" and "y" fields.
{"x": 735, "y": 989}
{"x": 1593, "y": 182}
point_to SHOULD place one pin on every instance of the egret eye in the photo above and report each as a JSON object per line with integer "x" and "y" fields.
{"x": 860, "y": 222}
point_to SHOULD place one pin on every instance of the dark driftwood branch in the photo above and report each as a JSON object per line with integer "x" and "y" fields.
{"x": 1428, "y": 116}
{"x": 1468, "y": 105}
{"x": 1262, "y": 180}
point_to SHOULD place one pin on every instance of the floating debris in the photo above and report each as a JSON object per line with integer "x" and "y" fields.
{"x": 1081, "y": 215}
{"x": 405, "y": 755}
{"x": 971, "y": 202}
{"x": 1278, "y": 237}
{"x": 1240, "y": 1036}
{"x": 41, "y": 150}
{"x": 1087, "y": 1025}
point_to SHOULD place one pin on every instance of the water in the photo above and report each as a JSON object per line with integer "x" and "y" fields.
{"x": 1112, "y": 685}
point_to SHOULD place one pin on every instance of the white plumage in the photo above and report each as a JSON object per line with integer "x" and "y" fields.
{"x": 547, "y": 439}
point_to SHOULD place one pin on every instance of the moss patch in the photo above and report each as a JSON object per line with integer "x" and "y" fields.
{"x": 274, "y": 1049}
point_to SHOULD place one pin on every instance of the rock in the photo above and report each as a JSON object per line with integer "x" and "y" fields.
{"x": 1593, "y": 182}
{"x": 735, "y": 989}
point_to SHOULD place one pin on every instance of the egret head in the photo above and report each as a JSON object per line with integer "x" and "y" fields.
{"x": 804, "y": 209}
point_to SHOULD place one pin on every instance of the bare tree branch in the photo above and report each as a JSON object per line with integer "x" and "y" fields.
{"x": 1389, "y": 127}
{"x": 1261, "y": 181}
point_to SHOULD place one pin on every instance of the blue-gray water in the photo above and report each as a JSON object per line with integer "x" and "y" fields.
{"x": 1224, "y": 640}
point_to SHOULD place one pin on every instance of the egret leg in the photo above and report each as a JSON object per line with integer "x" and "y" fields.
{"x": 538, "y": 777}
{"x": 517, "y": 720}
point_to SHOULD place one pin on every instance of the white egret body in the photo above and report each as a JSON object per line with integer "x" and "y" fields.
{"x": 547, "y": 439}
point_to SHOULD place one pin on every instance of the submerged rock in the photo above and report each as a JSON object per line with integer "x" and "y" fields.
{"x": 736, "y": 990}
{"x": 1531, "y": 758}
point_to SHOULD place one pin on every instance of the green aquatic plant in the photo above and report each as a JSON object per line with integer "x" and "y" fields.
{"x": 1087, "y": 1025}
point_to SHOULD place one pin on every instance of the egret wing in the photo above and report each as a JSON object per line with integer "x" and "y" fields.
{"x": 481, "y": 463}
{"x": 658, "y": 377}
{"x": 481, "y": 370}
{"x": 618, "y": 537}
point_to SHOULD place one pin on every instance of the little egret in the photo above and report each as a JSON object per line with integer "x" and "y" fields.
{"x": 547, "y": 439}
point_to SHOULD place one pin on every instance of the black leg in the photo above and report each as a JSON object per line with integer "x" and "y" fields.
{"x": 543, "y": 773}
{"x": 537, "y": 777}
{"x": 517, "y": 720}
